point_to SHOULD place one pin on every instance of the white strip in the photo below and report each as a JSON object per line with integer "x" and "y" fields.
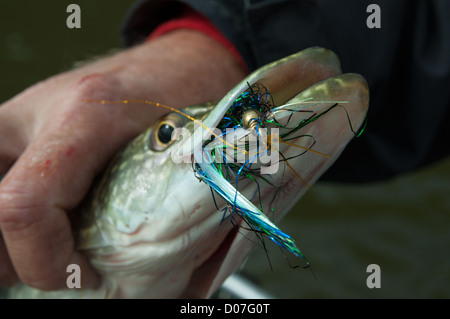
{"x": 243, "y": 288}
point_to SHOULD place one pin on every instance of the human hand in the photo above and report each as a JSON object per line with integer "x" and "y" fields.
{"x": 58, "y": 144}
{"x": 54, "y": 144}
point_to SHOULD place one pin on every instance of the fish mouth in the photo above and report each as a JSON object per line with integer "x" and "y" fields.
{"x": 309, "y": 83}
{"x": 284, "y": 78}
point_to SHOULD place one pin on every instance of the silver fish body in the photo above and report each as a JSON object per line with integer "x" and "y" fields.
{"x": 153, "y": 230}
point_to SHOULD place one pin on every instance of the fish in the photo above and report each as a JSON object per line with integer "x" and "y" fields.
{"x": 160, "y": 224}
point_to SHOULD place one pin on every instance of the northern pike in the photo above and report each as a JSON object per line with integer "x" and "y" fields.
{"x": 160, "y": 227}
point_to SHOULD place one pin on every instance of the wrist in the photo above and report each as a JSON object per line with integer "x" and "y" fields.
{"x": 193, "y": 20}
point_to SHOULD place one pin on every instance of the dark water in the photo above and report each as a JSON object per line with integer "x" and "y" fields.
{"x": 402, "y": 225}
{"x": 36, "y": 42}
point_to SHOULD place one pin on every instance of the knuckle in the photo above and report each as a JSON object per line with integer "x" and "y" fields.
{"x": 96, "y": 86}
{"x": 86, "y": 110}
{"x": 17, "y": 211}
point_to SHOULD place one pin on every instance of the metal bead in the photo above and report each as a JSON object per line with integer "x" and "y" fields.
{"x": 250, "y": 119}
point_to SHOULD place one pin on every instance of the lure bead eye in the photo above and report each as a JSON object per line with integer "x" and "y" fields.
{"x": 250, "y": 119}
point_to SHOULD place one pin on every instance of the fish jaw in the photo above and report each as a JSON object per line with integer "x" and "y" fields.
{"x": 285, "y": 78}
{"x": 331, "y": 132}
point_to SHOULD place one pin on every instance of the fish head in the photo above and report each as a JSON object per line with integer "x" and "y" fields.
{"x": 155, "y": 228}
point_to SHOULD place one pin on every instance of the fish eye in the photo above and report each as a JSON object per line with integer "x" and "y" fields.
{"x": 161, "y": 136}
{"x": 165, "y": 131}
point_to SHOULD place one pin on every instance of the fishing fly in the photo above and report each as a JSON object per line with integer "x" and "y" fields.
{"x": 239, "y": 148}
{"x": 249, "y": 114}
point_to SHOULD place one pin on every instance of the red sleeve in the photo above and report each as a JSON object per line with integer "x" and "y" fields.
{"x": 191, "y": 19}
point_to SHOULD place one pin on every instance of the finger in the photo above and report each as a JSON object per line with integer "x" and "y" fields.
{"x": 47, "y": 181}
{"x": 52, "y": 176}
{"x": 37, "y": 232}
{"x": 8, "y": 276}
{"x": 11, "y": 145}
{"x": 13, "y": 138}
